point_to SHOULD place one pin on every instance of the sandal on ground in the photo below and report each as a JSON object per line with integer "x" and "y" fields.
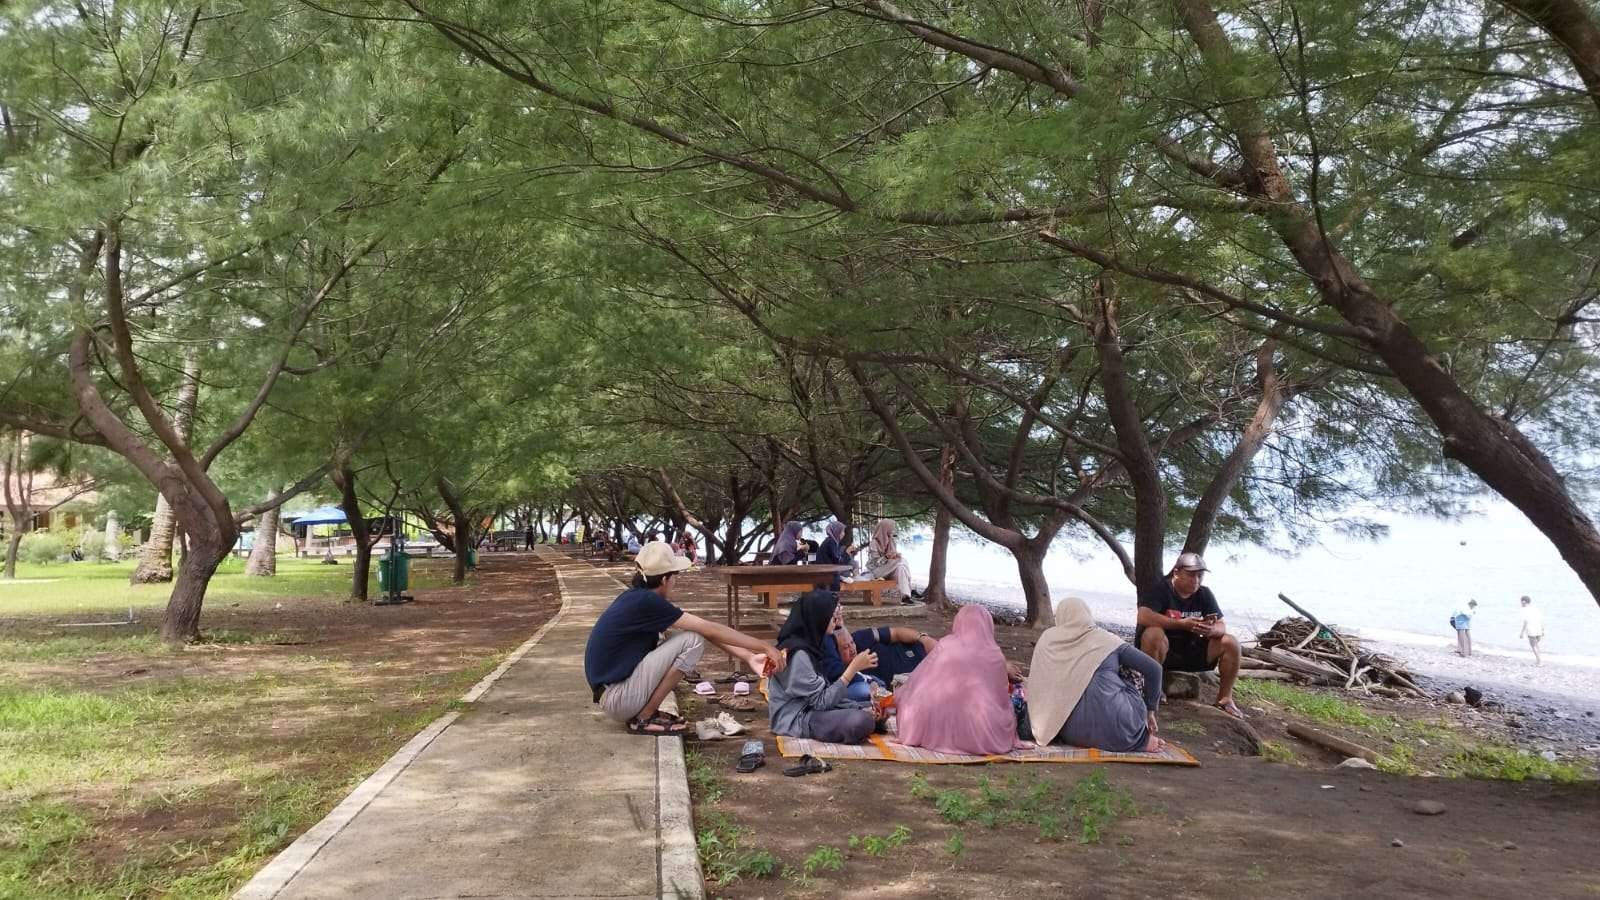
{"x": 752, "y": 757}
{"x": 808, "y": 765}
{"x": 1231, "y": 708}
{"x": 662, "y": 724}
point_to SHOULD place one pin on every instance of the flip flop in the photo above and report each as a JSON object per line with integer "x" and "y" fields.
{"x": 1231, "y": 708}
{"x": 704, "y": 689}
{"x": 752, "y": 756}
{"x": 808, "y": 765}
{"x": 741, "y": 688}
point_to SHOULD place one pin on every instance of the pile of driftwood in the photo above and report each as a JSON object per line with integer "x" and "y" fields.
{"x": 1304, "y": 649}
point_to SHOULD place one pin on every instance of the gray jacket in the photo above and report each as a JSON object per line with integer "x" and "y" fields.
{"x": 797, "y": 692}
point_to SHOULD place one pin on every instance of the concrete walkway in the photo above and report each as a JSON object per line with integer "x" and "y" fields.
{"x": 529, "y": 792}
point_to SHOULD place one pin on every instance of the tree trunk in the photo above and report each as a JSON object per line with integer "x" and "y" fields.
{"x": 155, "y": 557}
{"x": 263, "y": 559}
{"x": 1035, "y": 589}
{"x": 941, "y": 535}
{"x": 12, "y": 545}
{"x": 180, "y": 624}
{"x": 463, "y": 536}
{"x": 344, "y": 478}
{"x": 1144, "y": 473}
{"x": 1274, "y": 394}
{"x": 113, "y": 532}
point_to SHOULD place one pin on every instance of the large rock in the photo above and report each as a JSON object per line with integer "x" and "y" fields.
{"x": 1356, "y": 762}
{"x": 1180, "y": 685}
{"x": 1427, "y": 807}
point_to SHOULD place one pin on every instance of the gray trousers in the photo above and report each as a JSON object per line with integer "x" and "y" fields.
{"x": 623, "y": 700}
{"x": 841, "y": 726}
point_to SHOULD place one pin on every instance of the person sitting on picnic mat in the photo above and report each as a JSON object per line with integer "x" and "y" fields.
{"x": 834, "y": 552}
{"x": 1181, "y": 627}
{"x": 959, "y": 699}
{"x": 631, "y": 670}
{"x": 1089, "y": 688}
{"x": 803, "y": 703}
{"x": 898, "y": 650}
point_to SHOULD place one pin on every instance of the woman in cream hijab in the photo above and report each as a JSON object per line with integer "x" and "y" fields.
{"x": 885, "y": 561}
{"x": 1078, "y": 694}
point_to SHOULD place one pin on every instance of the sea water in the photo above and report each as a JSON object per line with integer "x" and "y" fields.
{"x": 1403, "y": 587}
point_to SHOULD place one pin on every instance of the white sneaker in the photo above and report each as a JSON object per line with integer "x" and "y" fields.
{"x": 729, "y": 724}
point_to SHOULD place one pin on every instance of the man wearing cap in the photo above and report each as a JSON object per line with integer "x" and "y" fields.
{"x": 1181, "y": 627}
{"x": 631, "y": 670}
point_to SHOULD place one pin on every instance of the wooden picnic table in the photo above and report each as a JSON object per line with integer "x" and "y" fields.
{"x": 736, "y": 577}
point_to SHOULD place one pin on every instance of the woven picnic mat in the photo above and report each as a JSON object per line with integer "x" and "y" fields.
{"x": 887, "y": 749}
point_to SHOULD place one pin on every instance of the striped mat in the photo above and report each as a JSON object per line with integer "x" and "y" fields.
{"x": 882, "y": 747}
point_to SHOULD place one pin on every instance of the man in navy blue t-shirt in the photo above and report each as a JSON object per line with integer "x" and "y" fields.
{"x": 631, "y": 670}
{"x": 1181, "y": 627}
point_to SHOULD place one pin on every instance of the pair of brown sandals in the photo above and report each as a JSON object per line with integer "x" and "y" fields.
{"x": 659, "y": 724}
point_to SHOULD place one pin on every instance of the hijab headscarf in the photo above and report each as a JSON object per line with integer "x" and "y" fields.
{"x": 836, "y": 531}
{"x": 1063, "y": 662}
{"x": 958, "y": 700}
{"x": 883, "y": 538}
{"x": 788, "y": 545}
{"x": 809, "y": 620}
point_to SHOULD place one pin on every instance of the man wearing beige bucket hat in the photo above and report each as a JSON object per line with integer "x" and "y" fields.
{"x": 631, "y": 670}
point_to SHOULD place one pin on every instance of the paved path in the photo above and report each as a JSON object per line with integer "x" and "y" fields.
{"x": 528, "y": 792}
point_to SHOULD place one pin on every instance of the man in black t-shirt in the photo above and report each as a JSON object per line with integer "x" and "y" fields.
{"x": 1181, "y": 627}
{"x": 631, "y": 670}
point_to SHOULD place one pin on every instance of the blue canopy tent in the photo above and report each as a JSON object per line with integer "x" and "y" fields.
{"x": 322, "y": 515}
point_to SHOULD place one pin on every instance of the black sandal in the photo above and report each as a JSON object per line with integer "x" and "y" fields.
{"x": 808, "y": 765}
{"x": 753, "y": 758}
{"x": 662, "y": 724}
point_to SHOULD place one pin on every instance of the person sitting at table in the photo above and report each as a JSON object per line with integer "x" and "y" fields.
{"x": 631, "y": 670}
{"x": 834, "y": 552}
{"x": 786, "y": 551}
{"x": 803, "y": 703}
{"x": 897, "y": 650}
{"x": 1082, "y": 687}
{"x": 884, "y": 561}
{"x": 959, "y": 699}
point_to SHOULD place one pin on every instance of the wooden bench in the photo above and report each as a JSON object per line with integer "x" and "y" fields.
{"x": 872, "y": 590}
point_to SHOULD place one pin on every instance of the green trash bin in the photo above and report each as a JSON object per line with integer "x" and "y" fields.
{"x": 472, "y": 557}
{"x": 394, "y": 570}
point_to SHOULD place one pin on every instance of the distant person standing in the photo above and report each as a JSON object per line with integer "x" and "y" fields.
{"x": 527, "y": 537}
{"x": 1532, "y": 627}
{"x": 1462, "y": 623}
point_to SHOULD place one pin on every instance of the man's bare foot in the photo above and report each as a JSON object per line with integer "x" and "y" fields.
{"x": 1154, "y": 744}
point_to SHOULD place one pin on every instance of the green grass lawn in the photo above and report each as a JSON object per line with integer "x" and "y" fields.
{"x": 132, "y": 769}
{"x": 85, "y": 587}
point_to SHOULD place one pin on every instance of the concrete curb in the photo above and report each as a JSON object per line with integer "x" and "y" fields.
{"x": 276, "y": 875}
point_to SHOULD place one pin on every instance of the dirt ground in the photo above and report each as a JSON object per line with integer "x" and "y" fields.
{"x": 1237, "y": 826}
{"x": 264, "y": 730}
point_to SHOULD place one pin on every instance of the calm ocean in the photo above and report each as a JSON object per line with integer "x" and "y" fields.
{"x": 1399, "y": 588}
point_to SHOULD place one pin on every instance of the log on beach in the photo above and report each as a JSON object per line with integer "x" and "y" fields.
{"x": 1329, "y": 742}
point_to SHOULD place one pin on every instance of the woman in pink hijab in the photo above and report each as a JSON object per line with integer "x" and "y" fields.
{"x": 959, "y": 699}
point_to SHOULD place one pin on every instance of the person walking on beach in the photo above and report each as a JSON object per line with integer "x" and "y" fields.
{"x": 1462, "y": 623}
{"x": 1532, "y": 627}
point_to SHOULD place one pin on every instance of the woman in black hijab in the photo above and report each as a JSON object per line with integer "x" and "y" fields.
{"x": 802, "y": 703}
